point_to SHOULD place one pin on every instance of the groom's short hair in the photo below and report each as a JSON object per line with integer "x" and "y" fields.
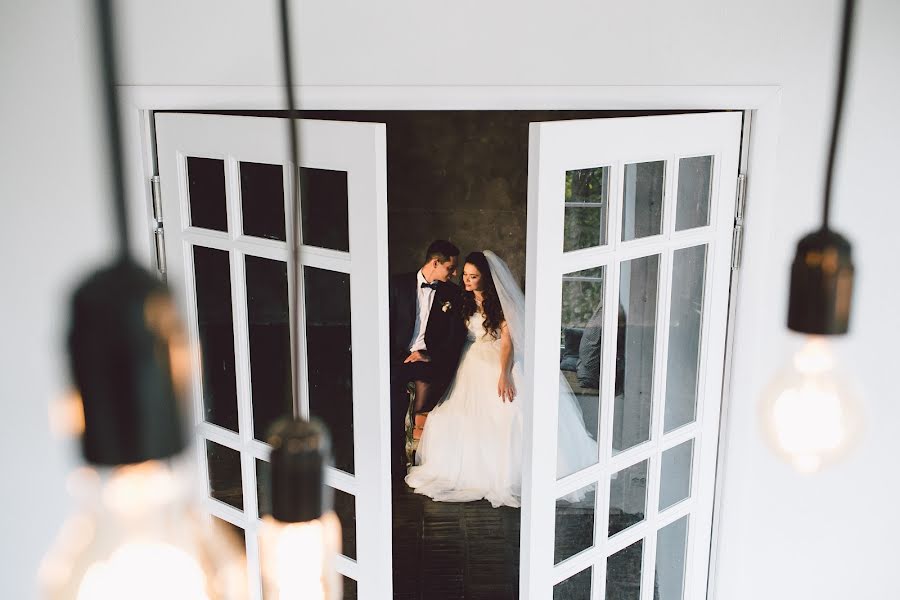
{"x": 442, "y": 250}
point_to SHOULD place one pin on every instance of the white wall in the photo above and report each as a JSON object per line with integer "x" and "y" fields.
{"x": 782, "y": 535}
{"x": 54, "y": 227}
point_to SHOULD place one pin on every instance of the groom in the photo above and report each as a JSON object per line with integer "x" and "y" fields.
{"x": 426, "y": 336}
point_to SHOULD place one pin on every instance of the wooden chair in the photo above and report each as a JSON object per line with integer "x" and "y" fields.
{"x": 415, "y": 424}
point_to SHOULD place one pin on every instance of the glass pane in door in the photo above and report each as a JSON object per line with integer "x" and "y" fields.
{"x": 581, "y": 332}
{"x": 587, "y": 205}
{"x": 627, "y": 497}
{"x": 345, "y": 508}
{"x": 324, "y": 209}
{"x": 224, "y": 468}
{"x": 675, "y": 477}
{"x": 215, "y": 327}
{"x": 671, "y": 553}
{"x": 206, "y": 193}
{"x": 623, "y": 573}
{"x": 262, "y": 200}
{"x": 685, "y": 327}
{"x": 643, "y": 193}
{"x": 263, "y": 487}
{"x": 694, "y": 188}
{"x": 638, "y": 289}
{"x": 576, "y": 587}
{"x": 269, "y": 332}
{"x": 575, "y": 516}
{"x": 329, "y": 358}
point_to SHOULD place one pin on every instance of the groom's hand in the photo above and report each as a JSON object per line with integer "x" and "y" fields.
{"x": 417, "y": 356}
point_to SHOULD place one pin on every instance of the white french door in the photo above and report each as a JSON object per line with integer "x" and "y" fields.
{"x": 225, "y": 187}
{"x": 630, "y": 224}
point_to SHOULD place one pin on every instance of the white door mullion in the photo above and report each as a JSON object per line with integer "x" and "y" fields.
{"x": 233, "y": 196}
{"x": 341, "y": 481}
{"x": 706, "y": 331}
{"x": 189, "y": 307}
{"x": 206, "y": 237}
{"x": 670, "y": 199}
{"x": 576, "y": 481}
{"x": 226, "y": 512}
{"x": 244, "y": 388}
{"x": 663, "y": 320}
{"x": 300, "y": 346}
{"x": 610, "y": 353}
{"x": 220, "y": 435}
{"x": 202, "y": 489}
{"x": 323, "y": 258}
{"x": 241, "y": 346}
{"x": 617, "y": 229}
{"x": 270, "y": 249}
{"x": 254, "y": 576}
{"x": 572, "y": 262}
{"x": 346, "y": 566}
{"x": 574, "y": 565}
{"x": 598, "y": 583}
{"x": 648, "y": 565}
{"x": 180, "y": 189}
{"x": 248, "y": 482}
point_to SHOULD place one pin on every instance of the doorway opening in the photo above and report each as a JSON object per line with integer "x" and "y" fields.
{"x": 464, "y": 176}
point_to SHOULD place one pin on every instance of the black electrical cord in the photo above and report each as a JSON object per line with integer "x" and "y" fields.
{"x": 838, "y": 106}
{"x": 287, "y": 67}
{"x": 108, "y": 73}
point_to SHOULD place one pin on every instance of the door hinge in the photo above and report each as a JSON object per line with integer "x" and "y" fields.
{"x": 158, "y": 233}
{"x": 157, "y": 198}
{"x": 737, "y": 245}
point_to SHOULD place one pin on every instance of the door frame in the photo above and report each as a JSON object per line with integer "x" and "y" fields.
{"x": 137, "y": 104}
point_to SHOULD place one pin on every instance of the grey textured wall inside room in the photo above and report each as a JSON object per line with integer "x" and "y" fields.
{"x": 457, "y": 175}
{"x": 461, "y": 176}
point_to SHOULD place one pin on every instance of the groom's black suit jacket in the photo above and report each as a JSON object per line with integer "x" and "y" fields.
{"x": 444, "y": 333}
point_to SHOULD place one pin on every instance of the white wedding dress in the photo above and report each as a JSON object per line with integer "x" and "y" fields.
{"x": 471, "y": 447}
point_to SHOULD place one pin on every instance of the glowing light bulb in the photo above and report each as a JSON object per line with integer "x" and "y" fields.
{"x": 298, "y": 558}
{"x": 125, "y": 574}
{"x": 811, "y": 416}
{"x": 136, "y": 536}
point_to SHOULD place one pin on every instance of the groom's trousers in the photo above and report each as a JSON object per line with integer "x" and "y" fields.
{"x": 401, "y": 375}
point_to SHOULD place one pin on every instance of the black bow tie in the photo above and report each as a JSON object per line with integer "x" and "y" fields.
{"x": 433, "y": 286}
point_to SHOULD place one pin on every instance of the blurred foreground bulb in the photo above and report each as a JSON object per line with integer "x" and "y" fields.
{"x": 135, "y": 534}
{"x": 302, "y": 537}
{"x": 811, "y": 415}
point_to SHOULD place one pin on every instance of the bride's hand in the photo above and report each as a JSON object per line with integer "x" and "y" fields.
{"x": 505, "y": 388}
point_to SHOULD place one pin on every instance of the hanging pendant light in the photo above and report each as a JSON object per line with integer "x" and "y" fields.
{"x": 810, "y": 412}
{"x": 301, "y": 539}
{"x": 135, "y": 534}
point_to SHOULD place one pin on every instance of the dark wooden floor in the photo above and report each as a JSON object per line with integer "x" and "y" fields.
{"x": 446, "y": 550}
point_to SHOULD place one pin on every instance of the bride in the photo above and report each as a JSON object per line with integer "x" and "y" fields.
{"x": 471, "y": 447}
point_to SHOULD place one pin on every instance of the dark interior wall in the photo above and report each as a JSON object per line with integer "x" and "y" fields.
{"x": 461, "y": 176}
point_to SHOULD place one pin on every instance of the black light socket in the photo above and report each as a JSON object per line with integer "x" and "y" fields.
{"x": 122, "y": 324}
{"x": 821, "y": 284}
{"x": 300, "y": 452}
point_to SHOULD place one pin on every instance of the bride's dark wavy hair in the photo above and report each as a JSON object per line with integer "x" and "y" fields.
{"x": 493, "y": 312}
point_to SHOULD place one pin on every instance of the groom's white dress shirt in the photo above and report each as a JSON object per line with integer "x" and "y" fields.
{"x": 424, "y": 298}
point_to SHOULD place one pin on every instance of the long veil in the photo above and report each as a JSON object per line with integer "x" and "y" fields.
{"x": 577, "y": 449}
